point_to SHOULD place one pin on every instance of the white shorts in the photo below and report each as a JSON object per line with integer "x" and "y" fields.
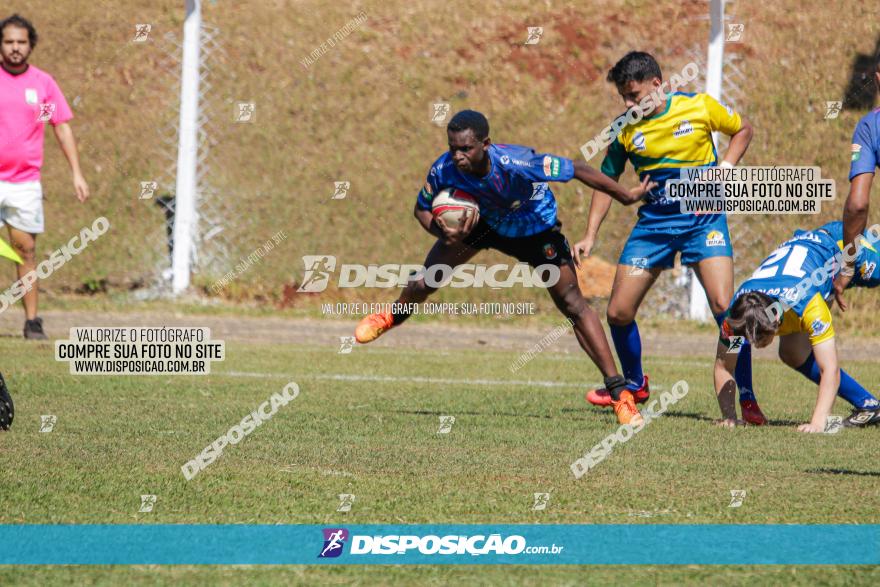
{"x": 21, "y": 205}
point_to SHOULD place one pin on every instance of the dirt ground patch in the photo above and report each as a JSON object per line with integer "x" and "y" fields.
{"x": 414, "y": 335}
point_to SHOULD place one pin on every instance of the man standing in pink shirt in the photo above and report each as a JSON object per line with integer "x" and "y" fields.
{"x": 29, "y": 100}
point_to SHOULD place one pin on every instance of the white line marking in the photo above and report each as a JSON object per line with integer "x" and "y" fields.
{"x": 429, "y": 380}
{"x": 566, "y": 355}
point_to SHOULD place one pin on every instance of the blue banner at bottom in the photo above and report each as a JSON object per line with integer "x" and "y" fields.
{"x": 440, "y": 544}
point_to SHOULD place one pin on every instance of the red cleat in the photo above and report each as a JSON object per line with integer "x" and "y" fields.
{"x": 752, "y": 413}
{"x": 601, "y": 397}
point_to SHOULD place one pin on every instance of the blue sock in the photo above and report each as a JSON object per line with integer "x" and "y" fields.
{"x": 628, "y": 344}
{"x": 849, "y": 389}
{"x": 743, "y": 372}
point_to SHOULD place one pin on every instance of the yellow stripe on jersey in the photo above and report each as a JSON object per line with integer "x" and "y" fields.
{"x": 816, "y": 321}
{"x": 862, "y": 240}
{"x": 680, "y": 136}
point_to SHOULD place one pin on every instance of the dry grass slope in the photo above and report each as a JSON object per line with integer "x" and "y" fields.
{"x": 360, "y": 113}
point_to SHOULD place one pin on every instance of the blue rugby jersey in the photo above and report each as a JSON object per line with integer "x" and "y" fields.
{"x": 866, "y": 145}
{"x": 515, "y": 197}
{"x": 867, "y": 274}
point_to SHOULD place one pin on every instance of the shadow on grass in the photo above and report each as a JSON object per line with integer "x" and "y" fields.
{"x": 691, "y": 415}
{"x": 703, "y": 418}
{"x": 583, "y": 411}
{"x": 460, "y": 413}
{"x": 861, "y": 91}
{"x": 844, "y": 472}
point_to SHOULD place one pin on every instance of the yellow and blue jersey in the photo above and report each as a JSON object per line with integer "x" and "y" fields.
{"x": 796, "y": 259}
{"x": 779, "y": 275}
{"x": 662, "y": 145}
{"x": 866, "y": 145}
{"x": 866, "y": 261}
{"x": 814, "y": 321}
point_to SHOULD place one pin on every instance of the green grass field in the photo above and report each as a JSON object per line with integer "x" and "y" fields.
{"x": 366, "y": 423}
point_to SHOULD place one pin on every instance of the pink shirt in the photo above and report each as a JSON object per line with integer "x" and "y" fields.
{"x": 28, "y": 102}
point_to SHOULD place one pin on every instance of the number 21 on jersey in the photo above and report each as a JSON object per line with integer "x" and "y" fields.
{"x": 793, "y": 256}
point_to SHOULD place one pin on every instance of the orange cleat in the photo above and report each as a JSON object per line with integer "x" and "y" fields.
{"x": 601, "y": 397}
{"x": 372, "y": 327}
{"x": 752, "y": 413}
{"x": 626, "y": 410}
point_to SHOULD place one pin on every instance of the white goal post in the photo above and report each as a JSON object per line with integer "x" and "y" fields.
{"x": 699, "y": 304}
{"x": 187, "y": 150}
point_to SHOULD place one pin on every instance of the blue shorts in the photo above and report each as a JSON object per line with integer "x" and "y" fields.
{"x": 656, "y": 248}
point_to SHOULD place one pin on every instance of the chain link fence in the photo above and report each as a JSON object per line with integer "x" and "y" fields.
{"x": 333, "y": 149}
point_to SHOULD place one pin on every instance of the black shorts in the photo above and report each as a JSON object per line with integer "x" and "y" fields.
{"x": 548, "y": 247}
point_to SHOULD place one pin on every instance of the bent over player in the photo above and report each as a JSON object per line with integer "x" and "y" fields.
{"x": 785, "y": 297}
{"x": 674, "y": 136}
{"x": 517, "y": 217}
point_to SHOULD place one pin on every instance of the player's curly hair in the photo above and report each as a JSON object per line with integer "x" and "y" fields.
{"x": 470, "y": 119}
{"x": 635, "y": 66}
{"x": 750, "y": 316}
{"x": 22, "y": 23}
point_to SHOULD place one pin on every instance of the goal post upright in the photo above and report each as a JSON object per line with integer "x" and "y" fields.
{"x": 699, "y": 304}
{"x": 187, "y": 150}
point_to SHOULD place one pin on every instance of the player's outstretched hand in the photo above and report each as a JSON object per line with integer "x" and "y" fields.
{"x": 466, "y": 225}
{"x": 810, "y": 428}
{"x": 730, "y": 423}
{"x": 582, "y": 249}
{"x": 644, "y": 187}
{"x": 841, "y": 280}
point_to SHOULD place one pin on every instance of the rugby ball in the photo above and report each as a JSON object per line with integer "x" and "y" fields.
{"x": 452, "y": 205}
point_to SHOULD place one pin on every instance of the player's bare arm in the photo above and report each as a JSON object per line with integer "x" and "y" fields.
{"x": 66, "y": 141}
{"x": 599, "y": 206}
{"x": 426, "y": 219}
{"x": 855, "y": 218}
{"x": 725, "y": 386}
{"x": 739, "y": 143}
{"x": 826, "y": 358}
{"x": 598, "y": 180}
